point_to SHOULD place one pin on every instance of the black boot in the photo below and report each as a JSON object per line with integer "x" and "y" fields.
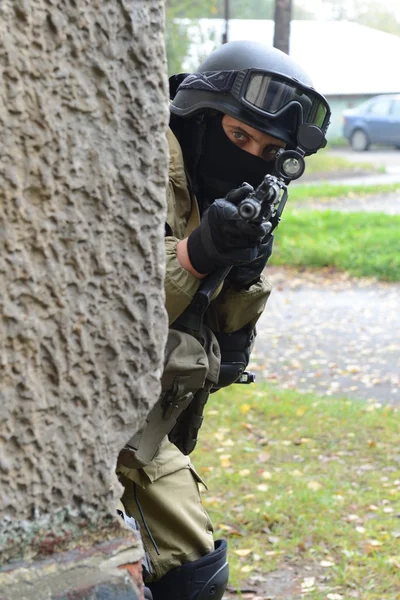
{"x": 203, "y": 579}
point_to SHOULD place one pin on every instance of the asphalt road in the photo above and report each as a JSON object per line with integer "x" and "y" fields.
{"x": 332, "y": 335}
{"x": 379, "y": 156}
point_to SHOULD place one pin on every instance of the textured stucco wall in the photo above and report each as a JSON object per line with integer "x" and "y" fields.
{"x": 83, "y": 166}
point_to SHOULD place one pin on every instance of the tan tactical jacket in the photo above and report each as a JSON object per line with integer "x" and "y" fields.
{"x": 231, "y": 309}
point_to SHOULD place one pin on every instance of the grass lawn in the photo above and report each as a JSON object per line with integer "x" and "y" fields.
{"x": 364, "y": 244}
{"x": 326, "y": 191}
{"x": 308, "y": 482}
{"x": 323, "y": 162}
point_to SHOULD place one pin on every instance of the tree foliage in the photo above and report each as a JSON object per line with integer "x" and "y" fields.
{"x": 176, "y": 32}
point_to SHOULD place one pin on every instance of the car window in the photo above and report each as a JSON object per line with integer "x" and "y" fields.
{"x": 380, "y": 108}
{"x": 396, "y": 108}
{"x": 363, "y": 107}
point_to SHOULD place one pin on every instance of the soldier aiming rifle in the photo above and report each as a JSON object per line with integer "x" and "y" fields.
{"x": 249, "y": 114}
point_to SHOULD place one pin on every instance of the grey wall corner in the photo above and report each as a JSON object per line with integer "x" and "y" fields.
{"x": 83, "y": 112}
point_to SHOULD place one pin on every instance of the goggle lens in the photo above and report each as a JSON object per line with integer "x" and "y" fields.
{"x": 271, "y": 93}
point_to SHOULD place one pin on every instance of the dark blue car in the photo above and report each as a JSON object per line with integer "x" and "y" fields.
{"x": 376, "y": 121}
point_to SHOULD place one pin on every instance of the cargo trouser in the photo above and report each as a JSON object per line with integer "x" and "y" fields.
{"x": 162, "y": 488}
{"x": 164, "y": 498}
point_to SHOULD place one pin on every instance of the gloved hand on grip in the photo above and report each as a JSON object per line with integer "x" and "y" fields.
{"x": 247, "y": 275}
{"x": 223, "y": 238}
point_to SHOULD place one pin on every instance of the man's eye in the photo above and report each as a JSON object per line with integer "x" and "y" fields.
{"x": 271, "y": 150}
{"x": 238, "y": 135}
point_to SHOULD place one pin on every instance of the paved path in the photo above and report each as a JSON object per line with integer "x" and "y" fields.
{"x": 379, "y": 156}
{"x": 361, "y": 178}
{"x": 332, "y": 335}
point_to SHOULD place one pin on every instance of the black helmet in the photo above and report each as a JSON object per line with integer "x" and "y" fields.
{"x": 256, "y": 84}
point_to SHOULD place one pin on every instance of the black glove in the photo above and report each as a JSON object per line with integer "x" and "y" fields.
{"x": 223, "y": 239}
{"x": 249, "y": 274}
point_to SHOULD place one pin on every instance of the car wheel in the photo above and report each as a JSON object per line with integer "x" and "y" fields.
{"x": 359, "y": 141}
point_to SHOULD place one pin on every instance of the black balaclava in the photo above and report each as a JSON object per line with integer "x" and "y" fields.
{"x": 214, "y": 163}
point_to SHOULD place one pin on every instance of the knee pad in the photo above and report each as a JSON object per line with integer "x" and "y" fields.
{"x": 202, "y": 579}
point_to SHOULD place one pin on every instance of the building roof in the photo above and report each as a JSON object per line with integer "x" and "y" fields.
{"x": 341, "y": 57}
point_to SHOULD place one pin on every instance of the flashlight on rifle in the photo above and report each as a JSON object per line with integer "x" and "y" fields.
{"x": 269, "y": 199}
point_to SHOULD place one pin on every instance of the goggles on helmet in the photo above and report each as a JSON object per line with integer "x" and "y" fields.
{"x": 266, "y": 93}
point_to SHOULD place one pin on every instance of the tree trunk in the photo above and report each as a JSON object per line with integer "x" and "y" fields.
{"x": 83, "y": 166}
{"x": 283, "y": 15}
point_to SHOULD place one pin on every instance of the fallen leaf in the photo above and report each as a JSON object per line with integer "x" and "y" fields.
{"x": 262, "y": 487}
{"x": 264, "y": 457}
{"x": 273, "y": 539}
{"x": 307, "y": 583}
{"x": 352, "y": 518}
{"x": 326, "y": 563}
{"x": 360, "y": 529}
{"x": 228, "y": 442}
{"x": 244, "y": 472}
{"x": 394, "y": 561}
{"x": 370, "y": 549}
{"x": 247, "y": 569}
{"x": 225, "y": 460}
{"x": 249, "y": 497}
{"x": 242, "y": 551}
{"x": 314, "y": 486}
{"x": 211, "y": 500}
{"x": 227, "y": 528}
